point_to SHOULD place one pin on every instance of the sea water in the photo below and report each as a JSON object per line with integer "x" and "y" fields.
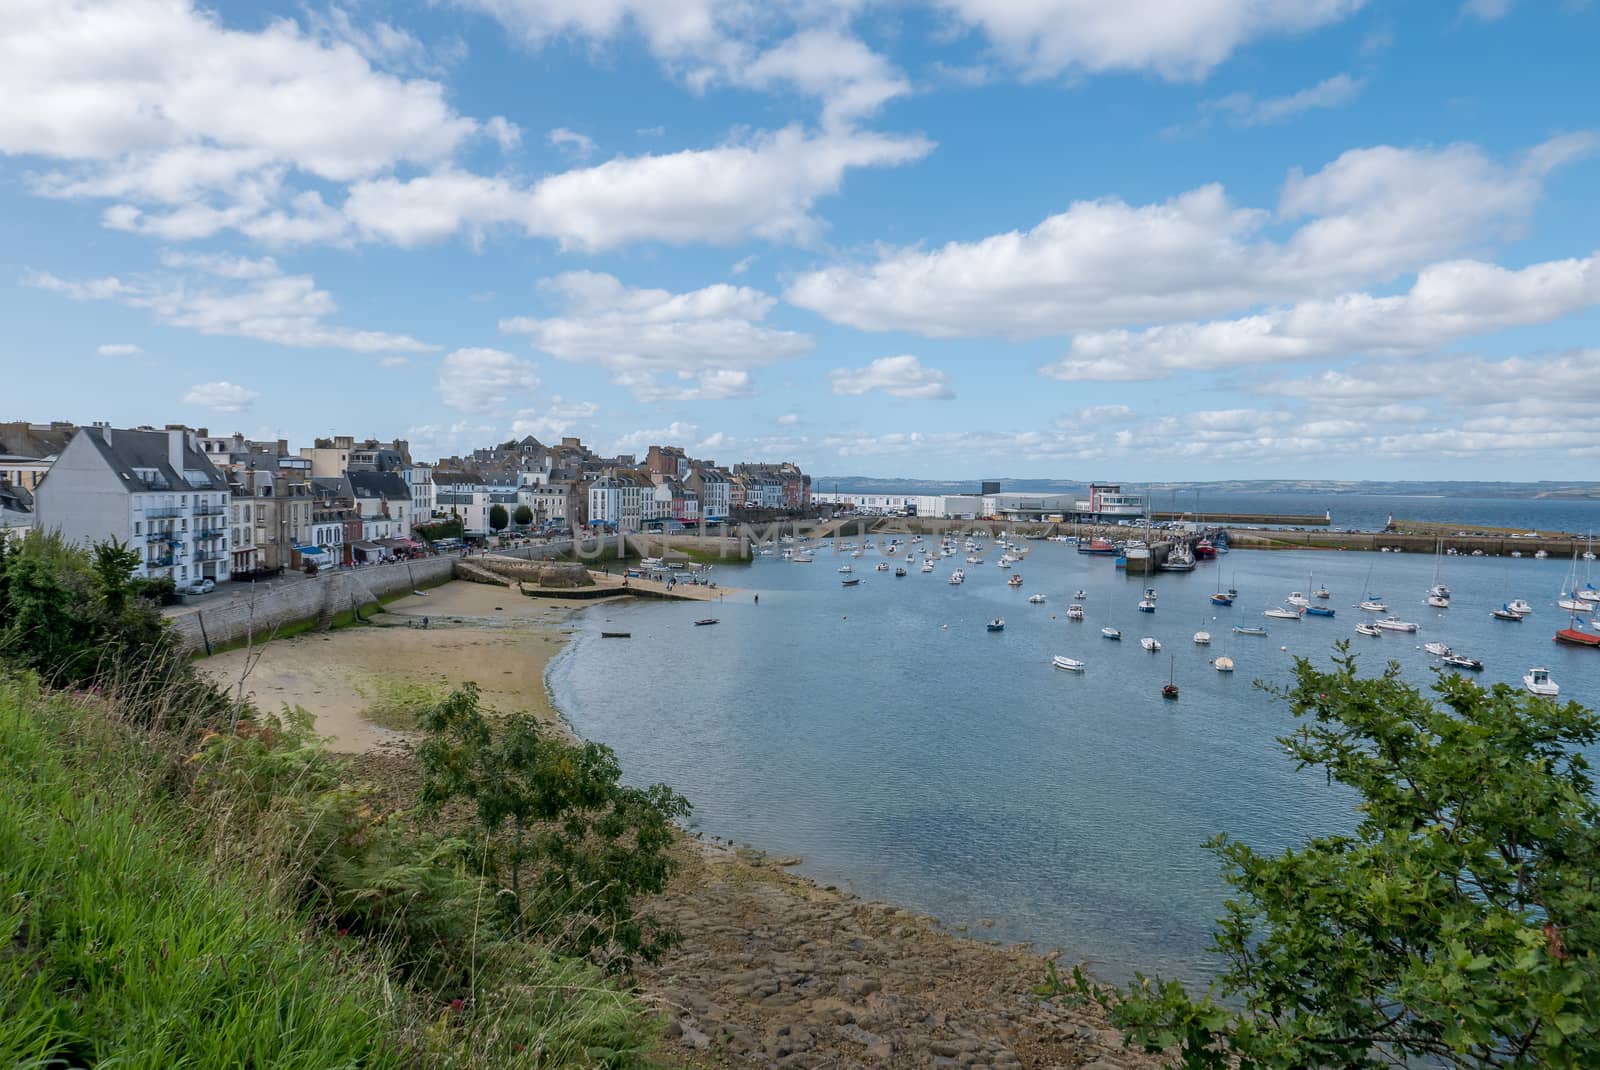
{"x": 881, "y": 733}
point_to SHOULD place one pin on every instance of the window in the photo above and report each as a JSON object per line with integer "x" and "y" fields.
{"x": 136, "y": 527}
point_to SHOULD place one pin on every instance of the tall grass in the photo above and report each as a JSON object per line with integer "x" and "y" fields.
{"x": 118, "y": 947}
{"x": 241, "y": 906}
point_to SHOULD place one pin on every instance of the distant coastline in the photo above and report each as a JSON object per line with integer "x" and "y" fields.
{"x": 1566, "y": 490}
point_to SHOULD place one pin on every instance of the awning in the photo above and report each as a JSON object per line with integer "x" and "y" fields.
{"x": 309, "y": 550}
{"x": 368, "y": 547}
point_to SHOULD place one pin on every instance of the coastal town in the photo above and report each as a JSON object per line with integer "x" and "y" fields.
{"x": 202, "y": 509}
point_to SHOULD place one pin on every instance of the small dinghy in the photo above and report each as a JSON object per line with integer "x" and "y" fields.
{"x": 1282, "y": 614}
{"x": 1074, "y": 612}
{"x": 1150, "y": 643}
{"x": 1368, "y": 629}
{"x": 1437, "y": 649}
{"x": 1111, "y": 633}
{"x": 1036, "y": 599}
{"x": 852, "y": 583}
{"x": 705, "y": 621}
{"x": 1249, "y": 631}
{"x": 1147, "y": 605}
{"x": 1069, "y": 664}
{"x": 1080, "y": 595}
{"x": 1319, "y": 611}
{"x": 1221, "y": 599}
{"x": 997, "y": 625}
{"x": 1223, "y": 664}
{"x": 1202, "y": 638}
{"x": 616, "y": 635}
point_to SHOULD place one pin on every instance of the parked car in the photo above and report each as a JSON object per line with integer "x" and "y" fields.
{"x": 203, "y": 586}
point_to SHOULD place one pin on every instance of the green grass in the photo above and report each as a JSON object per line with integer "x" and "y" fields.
{"x": 120, "y": 947}
{"x": 395, "y": 704}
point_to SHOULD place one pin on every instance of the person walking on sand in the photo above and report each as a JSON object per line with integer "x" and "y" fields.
{"x": 758, "y": 600}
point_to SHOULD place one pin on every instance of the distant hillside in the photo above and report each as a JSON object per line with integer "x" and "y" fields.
{"x": 1445, "y": 489}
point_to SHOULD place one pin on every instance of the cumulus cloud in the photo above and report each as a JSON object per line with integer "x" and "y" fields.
{"x": 1486, "y": 10}
{"x": 659, "y": 345}
{"x": 193, "y": 126}
{"x": 476, "y": 380}
{"x": 1370, "y": 215}
{"x": 1449, "y": 301}
{"x": 119, "y": 349}
{"x": 221, "y": 396}
{"x": 636, "y": 442}
{"x": 759, "y": 186}
{"x": 233, "y": 296}
{"x": 1181, "y": 40}
{"x": 557, "y": 419}
{"x": 788, "y": 419}
{"x": 902, "y": 377}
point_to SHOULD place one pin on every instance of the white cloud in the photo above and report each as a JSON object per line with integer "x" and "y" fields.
{"x": 476, "y": 380}
{"x": 507, "y": 134}
{"x": 236, "y": 297}
{"x": 119, "y": 349}
{"x": 788, "y": 419}
{"x": 1486, "y": 10}
{"x": 1177, "y": 39}
{"x": 1449, "y": 301}
{"x": 902, "y": 377}
{"x": 1248, "y": 110}
{"x": 158, "y": 105}
{"x": 762, "y": 186}
{"x": 580, "y": 145}
{"x": 852, "y": 80}
{"x": 636, "y": 442}
{"x": 221, "y": 396}
{"x": 709, "y": 43}
{"x": 699, "y": 345}
{"x": 1368, "y": 216}
{"x": 1103, "y": 414}
{"x": 393, "y": 362}
{"x": 557, "y": 419}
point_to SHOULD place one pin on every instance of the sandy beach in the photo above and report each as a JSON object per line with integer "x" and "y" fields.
{"x": 492, "y": 636}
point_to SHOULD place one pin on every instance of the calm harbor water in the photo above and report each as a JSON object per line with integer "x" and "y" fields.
{"x": 1370, "y": 512}
{"x": 881, "y": 733}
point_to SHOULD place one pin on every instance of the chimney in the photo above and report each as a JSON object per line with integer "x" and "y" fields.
{"x": 105, "y": 431}
{"x": 175, "y": 449}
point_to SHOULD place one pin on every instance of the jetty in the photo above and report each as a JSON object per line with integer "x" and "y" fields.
{"x": 1285, "y": 520}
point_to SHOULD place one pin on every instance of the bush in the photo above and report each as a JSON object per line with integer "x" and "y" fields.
{"x": 1458, "y": 926}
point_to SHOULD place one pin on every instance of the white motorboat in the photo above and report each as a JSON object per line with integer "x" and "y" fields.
{"x": 1395, "y": 624}
{"x": 997, "y": 625}
{"x": 1461, "y": 661}
{"x": 1323, "y": 592}
{"x": 927, "y": 565}
{"x": 1368, "y": 629}
{"x": 1520, "y": 606}
{"x": 1150, "y": 643}
{"x": 1080, "y": 595}
{"x": 1202, "y": 638}
{"x": 1438, "y": 601}
{"x": 958, "y": 577}
{"x": 1248, "y": 629}
{"x": 1282, "y": 614}
{"x": 1538, "y": 682}
{"x": 1223, "y": 664}
{"x": 1036, "y": 599}
{"x": 1297, "y": 599}
{"x": 882, "y": 566}
{"x": 1437, "y": 649}
{"x": 1074, "y": 612}
{"x": 1372, "y": 605}
{"x": 846, "y": 568}
{"x": 803, "y": 557}
{"x": 1069, "y": 664}
{"x": 1147, "y": 605}
{"x": 1111, "y": 633}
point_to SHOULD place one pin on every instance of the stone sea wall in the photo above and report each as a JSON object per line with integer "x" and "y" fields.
{"x": 293, "y": 600}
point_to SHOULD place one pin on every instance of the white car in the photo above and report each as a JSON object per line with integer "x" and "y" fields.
{"x": 203, "y": 586}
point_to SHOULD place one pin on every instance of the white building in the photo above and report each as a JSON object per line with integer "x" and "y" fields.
{"x": 242, "y": 518}
{"x": 419, "y": 478}
{"x": 618, "y": 500}
{"x": 153, "y": 490}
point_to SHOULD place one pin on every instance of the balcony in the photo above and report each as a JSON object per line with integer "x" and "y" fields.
{"x": 158, "y": 562}
{"x": 163, "y": 511}
{"x": 209, "y": 533}
{"x": 210, "y": 510}
{"x": 208, "y": 557}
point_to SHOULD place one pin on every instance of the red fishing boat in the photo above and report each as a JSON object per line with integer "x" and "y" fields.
{"x": 1205, "y": 550}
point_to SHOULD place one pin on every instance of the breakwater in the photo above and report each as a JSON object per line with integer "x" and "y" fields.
{"x": 1484, "y": 545}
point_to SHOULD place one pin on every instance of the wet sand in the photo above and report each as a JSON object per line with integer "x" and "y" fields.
{"x": 492, "y": 636}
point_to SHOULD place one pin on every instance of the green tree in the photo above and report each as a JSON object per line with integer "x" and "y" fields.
{"x": 559, "y": 814}
{"x": 523, "y": 516}
{"x": 498, "y": 518}
{"x": 1459, "y": 925}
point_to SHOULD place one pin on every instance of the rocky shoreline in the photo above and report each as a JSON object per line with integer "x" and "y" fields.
{"x": 777, "y": 971}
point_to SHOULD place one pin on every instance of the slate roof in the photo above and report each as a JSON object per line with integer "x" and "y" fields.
{"x": 130, "y": 450}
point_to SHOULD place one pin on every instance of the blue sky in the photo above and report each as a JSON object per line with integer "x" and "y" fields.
{"x": 1150, "y": 239}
